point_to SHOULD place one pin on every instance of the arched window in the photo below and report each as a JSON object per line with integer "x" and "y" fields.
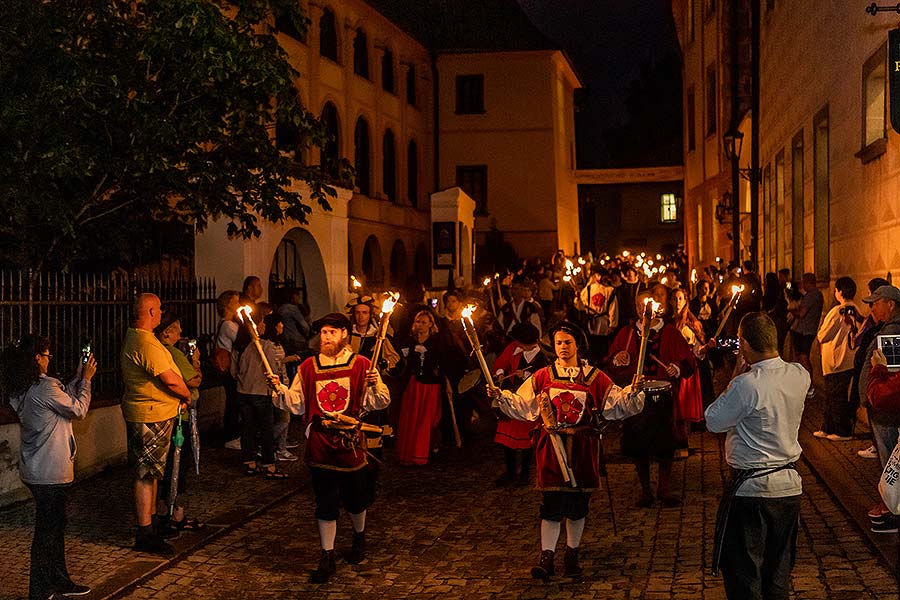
{"x": 361, "y": 161}
{"x": 328, "y": 44}
{"x": 331, "y": 151}
{"x": 412, "y": 172}
{"x": 411, "y": 85}
{"x": 387, "y": 71}
{"x": 361, "y": 54}
{"x": 389, "y": 171}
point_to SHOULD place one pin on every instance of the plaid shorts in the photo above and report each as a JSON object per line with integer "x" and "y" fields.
{"x": 148, "y": 446}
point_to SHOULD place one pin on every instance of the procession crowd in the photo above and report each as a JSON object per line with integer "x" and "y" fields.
{"x": 553, "y": 351}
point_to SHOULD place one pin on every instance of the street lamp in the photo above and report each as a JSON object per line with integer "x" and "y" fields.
{"x": 733, "y": 141}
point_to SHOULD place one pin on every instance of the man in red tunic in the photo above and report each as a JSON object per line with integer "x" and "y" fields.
{"x": 575, "y": 397}
{"x": 335, "y": 382}
{"x": 650, "y": 436}
{"x": 519, "y": 361}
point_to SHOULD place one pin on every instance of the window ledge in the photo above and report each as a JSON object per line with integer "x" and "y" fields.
{"x": 872, "y": 151}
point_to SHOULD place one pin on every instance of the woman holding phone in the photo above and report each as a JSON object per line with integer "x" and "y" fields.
{"x": 46, "y": 410}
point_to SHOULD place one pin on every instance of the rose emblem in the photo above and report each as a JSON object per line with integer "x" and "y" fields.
{"x": 333, "y": 397}
{"x": 598, "y": 299}
{"x": 568, "y": 408}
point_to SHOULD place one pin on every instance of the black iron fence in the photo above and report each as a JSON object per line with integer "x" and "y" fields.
{"x": 73, "y": 308}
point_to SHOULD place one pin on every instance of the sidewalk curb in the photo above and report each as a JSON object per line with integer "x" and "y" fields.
{"x": 213, "y": 533}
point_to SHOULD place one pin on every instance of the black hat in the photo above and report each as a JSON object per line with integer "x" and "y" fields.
{"x": 336, "y": 320}
{"x": 525, "y": 333}
{"x": 573, "y": 329}
{"x": 367, "y": 300}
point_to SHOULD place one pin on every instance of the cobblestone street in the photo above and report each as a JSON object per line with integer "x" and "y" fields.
{"x": 438, "y": 531}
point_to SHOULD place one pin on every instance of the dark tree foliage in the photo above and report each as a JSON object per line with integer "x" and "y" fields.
{"x": 123, "y": 119}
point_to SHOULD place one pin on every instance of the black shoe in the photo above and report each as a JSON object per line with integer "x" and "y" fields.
{"x": 570, "y": 563}
{"x": 505, "y": 479}
{"x": 76, "y": 590}
{"x": 153, "y": 544}
{"x": 325, "y": 569}
{"x": 357, "y": 552}
{"x": 645, "y": 502}
{"x": 544, "y": 568}
{"x": 669, "y": 501}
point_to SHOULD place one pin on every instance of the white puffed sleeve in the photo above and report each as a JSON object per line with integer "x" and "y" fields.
{"x": 521, "y": 404}
{"x": 291, "y": 398}
{"x": 622, "y": 403}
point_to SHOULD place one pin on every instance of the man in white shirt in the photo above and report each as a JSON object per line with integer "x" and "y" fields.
{"x": 760, "y": 412}
{"x": 835, "y": 333}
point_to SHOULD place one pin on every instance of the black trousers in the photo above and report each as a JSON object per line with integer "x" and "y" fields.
{"x": 759, "y": 548}
{"x": 48, "y": 547}
{"x": 257, "y": 422}
{"x": 840, "y": 409}
{"x": 231, "y": 427}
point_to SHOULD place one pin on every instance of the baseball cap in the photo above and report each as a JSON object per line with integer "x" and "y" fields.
{"x": 885, "y": 292}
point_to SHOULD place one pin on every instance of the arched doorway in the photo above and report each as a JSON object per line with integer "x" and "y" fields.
{"x": 298, "y": 263}
{"x": 399, "y": 270}
{"x": 422, "y": 264}
{"x": 373, "y": 263}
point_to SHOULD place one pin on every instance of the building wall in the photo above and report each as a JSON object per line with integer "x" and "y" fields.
{"x": 523, "y": 137}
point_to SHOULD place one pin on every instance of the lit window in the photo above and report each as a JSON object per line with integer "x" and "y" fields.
{"x": 874, "y": 98}
{"x": 668, "y": 209}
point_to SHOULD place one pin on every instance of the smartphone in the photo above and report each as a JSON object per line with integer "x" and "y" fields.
{"x": 890, "y": 346}
{"x": 86, "y": 350}
{"x": 433, "y": 302}
{"x": 788, "y": 285}
{"x": 192, "y": 347}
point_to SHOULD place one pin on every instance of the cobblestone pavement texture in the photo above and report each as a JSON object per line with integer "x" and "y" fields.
{"x": 444, "y": 531}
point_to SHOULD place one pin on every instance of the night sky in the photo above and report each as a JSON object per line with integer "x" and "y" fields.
{"x": 610, "y": 41}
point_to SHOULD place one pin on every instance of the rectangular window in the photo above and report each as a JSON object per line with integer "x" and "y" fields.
{"x": 711, "y": 99}
{"x": 691, "y": 121}
{"x": 668, "y": 209}
{"x": 472, "y": 179}
{"x": 797, "y": 205}
{"x": 821, "y": 196}
{"x": 700, "y": 231}
{"x": 873, "y": 105}
{"x": 689, "y": 20}
{"x": 411, "y": 85}
{"x": 469, "y": 94}
{"x": 769, "y": 221}
{"x": 780, "y": 250}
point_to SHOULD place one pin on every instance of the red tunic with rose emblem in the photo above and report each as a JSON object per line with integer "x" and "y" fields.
{"x": 576, "y": 400}
{"x": 334, "y": 389}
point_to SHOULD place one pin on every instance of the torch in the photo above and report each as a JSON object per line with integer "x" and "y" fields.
{"x": 244, "y": 314}
{"x": 650, "y": 309}
{"x": 735, "y": 294}
{"x": 487, "y": 286}
{"x": 355, "y": 284}
{"x": 476, "y": 344}
{"x": 387, "y": 307}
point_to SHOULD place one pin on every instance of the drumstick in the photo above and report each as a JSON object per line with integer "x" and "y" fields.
{"x": 659, "y": 362}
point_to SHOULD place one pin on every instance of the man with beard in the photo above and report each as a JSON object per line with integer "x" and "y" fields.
{"x": 335, "y": 382}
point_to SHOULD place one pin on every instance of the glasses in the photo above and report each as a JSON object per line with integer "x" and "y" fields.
{"x": 47, "y": 354}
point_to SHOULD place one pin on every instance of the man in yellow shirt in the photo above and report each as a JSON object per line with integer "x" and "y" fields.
{"x": 153, "y": 390}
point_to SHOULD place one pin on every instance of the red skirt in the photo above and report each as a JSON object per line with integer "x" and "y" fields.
{"x": 420, "y": 413}
{"x": 689, "y": 406}
{"x": 514, "y": 434}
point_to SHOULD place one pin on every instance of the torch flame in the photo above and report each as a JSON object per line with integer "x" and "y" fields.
{"x": 581, "y": 261}
{"x": 467, "y": 312}
{"x": 659, "y": 257}
{"x": 355, "y": 282}
{"x": 486, "y": 282}
{"x": 625, "y": 253}
{"x": 245, "y": 310}
{"x": 736, "y": 289}
{"x": 693, "y": 275}
{"x": 387, "y": 307}
{"x": 654, "y": 305}
{"x": 567, "y": 278}
{"x": 602, "y": 262}
{"x": 569, "y": 265}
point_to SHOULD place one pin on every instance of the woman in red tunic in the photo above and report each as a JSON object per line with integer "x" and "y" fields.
{"x": 515, "y": 364}
{"x": 420, "y": 406}
{"x": 575, "y": 396}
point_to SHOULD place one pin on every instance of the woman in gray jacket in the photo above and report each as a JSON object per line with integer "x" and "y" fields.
{"x": 46, "y": 410}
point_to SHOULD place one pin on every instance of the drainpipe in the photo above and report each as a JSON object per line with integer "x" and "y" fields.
{"x": 437, "y": 122}
{"x": 735, "y": 107}
{"x": 754, "y": 132}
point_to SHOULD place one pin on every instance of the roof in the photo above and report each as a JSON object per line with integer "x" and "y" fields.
{"x": 465, "y": 25}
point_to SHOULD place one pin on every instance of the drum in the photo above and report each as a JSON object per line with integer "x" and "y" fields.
{"x": 656, "y": 389}
{"x": 468, "y": 381}
{"x": 649, "y": 435}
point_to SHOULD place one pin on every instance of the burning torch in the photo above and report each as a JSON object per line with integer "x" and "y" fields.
{"x": 735, "y": 295}
{"x": 651, "y": 307}
{"x": 387, "y": 307}
{"x": 487, "y": 286}
{"x": 244, "y": 314}
{"x": 469, "y": 327}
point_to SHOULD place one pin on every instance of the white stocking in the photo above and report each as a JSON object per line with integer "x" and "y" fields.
{"x": 574, "y": 529}
{"x": 359, "y": 521}
{"x": 327, "y": 533}
{"x": 549, "y": 534}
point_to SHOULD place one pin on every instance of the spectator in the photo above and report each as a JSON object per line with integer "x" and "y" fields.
{"x": 46, "y": 410}
{"x": 602, "y": 308}
{"x": 626, "y": 293}
{"x": 295, "y": 338}
{"x": 867, "y": 332}
{"x": 226, "y": 331}
{"x": 704, "y": 307}
{"x": 806, "y": 323}
{"x": 257, "y": 412}
{"x": 546, "y": 287}
{"x": 273, "y": 331}
{"x": 885, "y": 308}
{"x": 153, "y": 390}
{"x": 251, "y": 291}
{"x": 169, "y": 333}
{"x": 779, "y": 311}
{"x": 834, "y": 336}
{"x": 520, "y": 309}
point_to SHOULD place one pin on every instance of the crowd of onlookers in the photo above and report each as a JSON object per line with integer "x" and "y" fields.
{"x": 426, "y": 360}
